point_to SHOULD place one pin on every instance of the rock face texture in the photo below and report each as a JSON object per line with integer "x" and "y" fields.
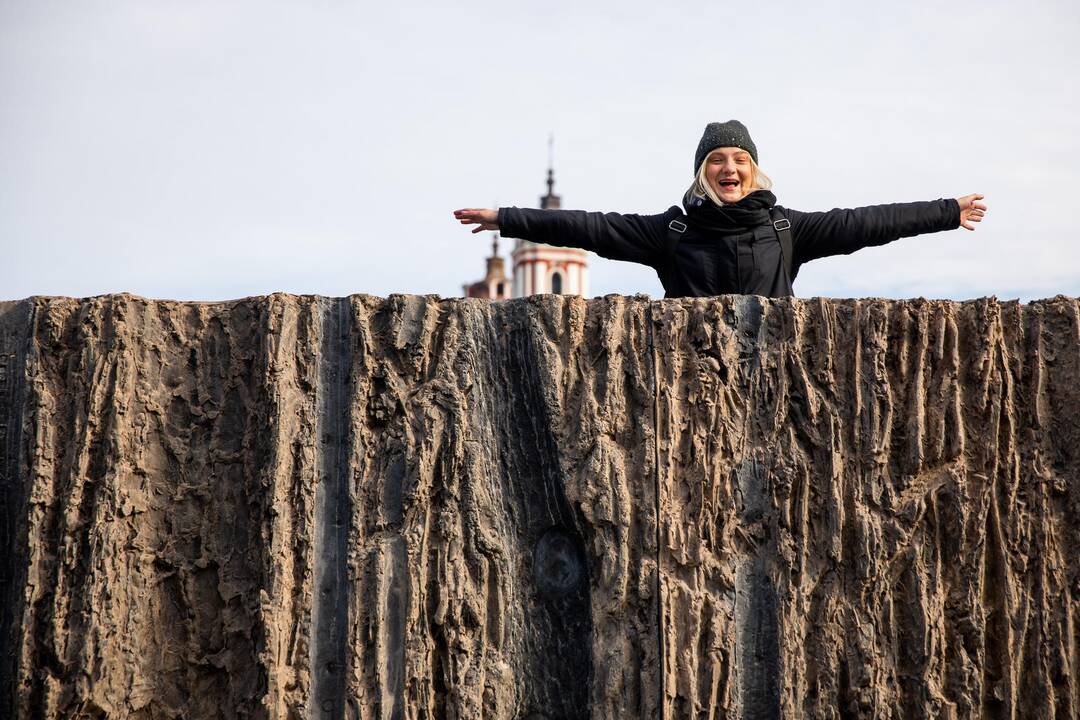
{"x": 548, "y": 508}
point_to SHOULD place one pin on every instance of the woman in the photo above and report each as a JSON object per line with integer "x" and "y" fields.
{"x": 732, "y": 238}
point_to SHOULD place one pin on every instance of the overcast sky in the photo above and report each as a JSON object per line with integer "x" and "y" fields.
{"x": 214, "y": 150}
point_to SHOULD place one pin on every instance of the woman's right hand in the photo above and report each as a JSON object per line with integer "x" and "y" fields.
{"x": 487, "y": 218}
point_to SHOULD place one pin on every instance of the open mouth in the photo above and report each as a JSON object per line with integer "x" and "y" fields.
{"x": 729, "y": 184}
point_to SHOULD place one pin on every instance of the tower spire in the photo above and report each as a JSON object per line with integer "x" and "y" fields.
{"x": 551, "y": 164}
{"x": 551, "y": 200}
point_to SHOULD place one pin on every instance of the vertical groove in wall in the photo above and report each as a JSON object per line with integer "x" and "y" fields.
{"x": 757, "y": 658}
{"x": 329, "y": 614}
{"x": 14, "y": 334}
{"x": 757, "y": 638}
{"x": 561, "y": 664}
{"x": 653, "y": 320}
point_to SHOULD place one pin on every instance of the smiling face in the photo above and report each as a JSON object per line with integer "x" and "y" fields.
{"x": 730, "y": 172}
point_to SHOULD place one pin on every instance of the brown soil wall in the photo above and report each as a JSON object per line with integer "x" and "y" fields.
{"x": 548, "y": 508}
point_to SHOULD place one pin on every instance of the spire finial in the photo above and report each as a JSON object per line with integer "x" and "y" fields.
{"x": 551, "y": 164}
{"x": 551, "y": 200}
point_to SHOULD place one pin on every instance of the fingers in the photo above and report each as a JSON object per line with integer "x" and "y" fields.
{"x": 972, "y": 200}
{"x": 970, "y": 216}
{"x": 475, "y": 212}
{"x": 971, "y": 210}
{"x": 483, "y": 218}
{"x": 467, "y": 215}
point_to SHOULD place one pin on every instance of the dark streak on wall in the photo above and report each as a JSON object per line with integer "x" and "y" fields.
{"x": 15, "y": 322}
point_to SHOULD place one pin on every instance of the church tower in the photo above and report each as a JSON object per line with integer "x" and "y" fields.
{"x": 495, "y": 285}
{"x": 546, "y": 269}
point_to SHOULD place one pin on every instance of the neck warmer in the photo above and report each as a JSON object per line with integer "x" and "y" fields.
{"x": 739, "y": 217}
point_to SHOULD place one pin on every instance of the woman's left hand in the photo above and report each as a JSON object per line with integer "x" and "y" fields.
{"x": 971, "y": 210}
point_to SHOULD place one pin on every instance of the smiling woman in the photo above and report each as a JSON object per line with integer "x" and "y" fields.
{"x": 728, "y": 175}
{"x": 730, "y": 236}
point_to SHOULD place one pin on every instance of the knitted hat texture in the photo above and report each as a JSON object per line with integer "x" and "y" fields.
{"x": 729, "y": 134}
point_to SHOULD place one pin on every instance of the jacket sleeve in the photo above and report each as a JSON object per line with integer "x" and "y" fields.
{"x": 636, "y": 238}
{"x": 840, "y": 231}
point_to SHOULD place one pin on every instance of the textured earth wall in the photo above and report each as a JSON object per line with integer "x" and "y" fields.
{"x": 549, "y": 508}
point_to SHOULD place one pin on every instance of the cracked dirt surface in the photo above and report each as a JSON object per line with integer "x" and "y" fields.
{"x": 306, "y": 507}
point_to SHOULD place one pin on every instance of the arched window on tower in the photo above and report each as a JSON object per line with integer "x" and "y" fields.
{"x": 556, "y": 283}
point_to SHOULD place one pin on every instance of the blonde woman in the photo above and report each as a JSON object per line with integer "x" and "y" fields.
{"x": 730, "y": 236}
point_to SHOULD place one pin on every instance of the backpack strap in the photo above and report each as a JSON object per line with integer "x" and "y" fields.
{"x": 782, "y": 226}
{"x": 675, "y": 230}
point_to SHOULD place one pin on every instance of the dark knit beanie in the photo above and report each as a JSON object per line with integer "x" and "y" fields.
{"x": 730, "y": 134}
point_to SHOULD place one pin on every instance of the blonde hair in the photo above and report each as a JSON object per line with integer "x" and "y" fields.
{"x": 701, "y": 188}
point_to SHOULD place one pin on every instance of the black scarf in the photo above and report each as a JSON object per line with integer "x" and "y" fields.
{"x": 739, "y": 217}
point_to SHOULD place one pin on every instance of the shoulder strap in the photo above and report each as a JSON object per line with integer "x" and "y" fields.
{"x": 675, "y": 231}
{"x": 783, "y": 233}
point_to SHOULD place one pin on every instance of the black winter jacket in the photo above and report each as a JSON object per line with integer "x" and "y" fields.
{"x": 747, "y": 260}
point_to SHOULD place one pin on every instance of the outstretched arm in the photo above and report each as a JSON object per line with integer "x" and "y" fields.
{"x": 843, "y": 231}
{"x": 636, "y": 238}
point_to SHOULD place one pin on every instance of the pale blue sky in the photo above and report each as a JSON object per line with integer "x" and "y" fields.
{"x": 213, "y": 150}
